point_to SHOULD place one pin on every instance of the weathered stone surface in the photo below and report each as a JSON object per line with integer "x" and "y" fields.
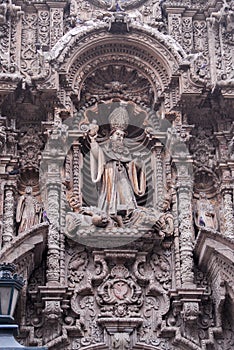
{"x": 116, "y": 171}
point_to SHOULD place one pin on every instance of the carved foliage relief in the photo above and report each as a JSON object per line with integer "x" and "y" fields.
{"x": 134, "y": 292}
{"x": 28, "y": 45}
{"x": 117, "y": 174}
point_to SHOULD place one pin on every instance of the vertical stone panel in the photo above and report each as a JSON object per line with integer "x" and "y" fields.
{"x": 8, "y": 218}
{"x": 56, "y": 24}
{"x": 53, "y": 259}
{"x": 228, "y": 212}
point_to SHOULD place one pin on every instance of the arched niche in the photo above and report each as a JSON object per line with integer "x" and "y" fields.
{"x": 115, "y": 184}
{"x": 92, "y": 53}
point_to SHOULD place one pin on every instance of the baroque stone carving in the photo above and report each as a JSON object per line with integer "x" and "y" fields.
{"x": 121, "y": 179}
{"x": 30, "y": 145}
{"x": 119, "y": 296}
{"x": 206, "y": 215}
{"x": 135, "y": 203}
{"x": 29, "y": 210}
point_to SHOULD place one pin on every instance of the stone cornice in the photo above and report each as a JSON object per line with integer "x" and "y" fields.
{"x": 24, "y": 243}
{"x": 210, "y": 243}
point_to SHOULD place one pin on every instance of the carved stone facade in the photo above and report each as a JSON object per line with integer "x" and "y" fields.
{"x": 117, "y": 170}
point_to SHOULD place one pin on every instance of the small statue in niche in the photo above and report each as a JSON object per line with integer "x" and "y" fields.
{"x": 29, "y": 210}
{"x": 118, "y": 176}
{"x": 206, "y": 215}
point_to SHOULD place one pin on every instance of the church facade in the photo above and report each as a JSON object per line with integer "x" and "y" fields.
{"x": 117, "y": 172}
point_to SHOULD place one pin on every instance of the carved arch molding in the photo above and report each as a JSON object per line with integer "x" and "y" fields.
{"x": 95, "y": 65}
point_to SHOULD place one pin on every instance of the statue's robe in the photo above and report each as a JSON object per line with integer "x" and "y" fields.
{"x": 117, "y": 177}
{"x": 28, "y": 212}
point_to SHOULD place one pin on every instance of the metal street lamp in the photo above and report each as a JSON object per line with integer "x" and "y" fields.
{"x": 10, "y": 286}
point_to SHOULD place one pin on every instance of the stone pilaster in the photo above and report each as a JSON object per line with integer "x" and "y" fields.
{"x": 158, "y": 173}
{"x": 176, "y": 240}
{"x": 56, "y": 21}
{"x": 186, "y": 234}
{"x": 77, "y": 164}
{"x": 8, "y": 216}
{"x": 185, "y": 217}
{"x": 53, "y": 260}
{"x": 212, "y": 33}
{"x": 175, "y": 23}
{"x": 228, "y": 214}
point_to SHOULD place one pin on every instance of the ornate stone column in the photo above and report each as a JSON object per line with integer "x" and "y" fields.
{"x": 212, "y": 32}
{"x": 51, "y": 182}
{"x": 158, "y": 173}
{"x": 228, "y": 215}
{"x": 176, "y": 239}
{"x": 77, "y": 164}
{"x": 53, "y": 212}
{"x": 186, "y": 234}
{"x": 8, "y": 214}
{"x": 184, "y": 187}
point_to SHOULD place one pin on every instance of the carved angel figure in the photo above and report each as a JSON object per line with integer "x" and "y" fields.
{"x": 118, "y": 176}
{"x": 29, "y": 210}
